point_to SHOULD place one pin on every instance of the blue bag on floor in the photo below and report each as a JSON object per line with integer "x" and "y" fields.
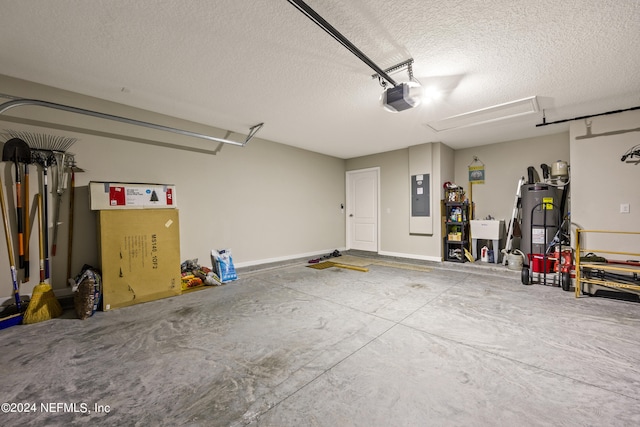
{"x": 223, "y": 265}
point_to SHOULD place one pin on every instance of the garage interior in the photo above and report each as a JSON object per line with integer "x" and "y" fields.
{"x": 409, "y": 339}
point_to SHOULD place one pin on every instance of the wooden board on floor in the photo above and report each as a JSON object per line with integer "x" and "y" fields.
{"x": 355, "y": 261}
{"x": 329, "y": 264}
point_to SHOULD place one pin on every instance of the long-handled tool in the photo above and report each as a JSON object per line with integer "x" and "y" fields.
{"x": 73, "y": 169}
{"x": 44, "y": 145}
{"x": 61, "y": 186}
{"x": 514, "y": 217}
{"x": 65, "y": 166}
{"x": 72, "y": 193}
{"x": 7, "y": 233}
{"x": 44, "y": 158}
{"x": 17, "y": 151}
{"x": 27, "y": 223}
{"x": 43, "y": 304}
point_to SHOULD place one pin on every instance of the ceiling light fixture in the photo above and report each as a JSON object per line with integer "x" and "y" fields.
{"x": 492, "y": 114}
{"x": 431, "y": 93}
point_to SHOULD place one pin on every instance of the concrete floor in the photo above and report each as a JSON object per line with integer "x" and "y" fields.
{"x": 293, "y": 346}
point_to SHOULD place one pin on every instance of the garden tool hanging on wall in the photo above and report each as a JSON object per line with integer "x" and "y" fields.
{"x": 65, "y": 166}
{"x": 43, "y": 147}
{"x": 17, "y": 151}
{"x": 45, "y": 160}
{"x": 72, "y": 169}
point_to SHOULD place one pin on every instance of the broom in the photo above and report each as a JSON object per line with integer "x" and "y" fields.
{"x": 43, "y": 304}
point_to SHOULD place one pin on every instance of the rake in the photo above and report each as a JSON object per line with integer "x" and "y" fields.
{"x": 43, "y": 148}
{"x": 42, "y": 141}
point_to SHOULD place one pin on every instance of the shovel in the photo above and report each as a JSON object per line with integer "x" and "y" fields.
{"x": 17, "y": 151}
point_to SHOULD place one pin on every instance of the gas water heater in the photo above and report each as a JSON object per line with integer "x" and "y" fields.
{"x": 541, "y": 216}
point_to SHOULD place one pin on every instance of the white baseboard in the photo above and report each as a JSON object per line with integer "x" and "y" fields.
{"x": 411, "y": 256}
{"x": 285, "y": 258}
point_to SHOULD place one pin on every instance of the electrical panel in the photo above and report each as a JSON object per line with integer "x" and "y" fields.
{"x": 420, "y": 195}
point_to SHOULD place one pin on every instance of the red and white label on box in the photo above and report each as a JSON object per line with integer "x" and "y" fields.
{"x": 116, "y": 196}
{"x": 169, "y": 196}
{"x": 105, "y": 195}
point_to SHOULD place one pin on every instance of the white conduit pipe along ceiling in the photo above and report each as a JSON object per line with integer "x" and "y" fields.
{"x": 18, "y": 102}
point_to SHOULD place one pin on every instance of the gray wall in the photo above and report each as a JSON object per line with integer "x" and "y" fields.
{"x": 505, "y": 163}
{"x": 395, "y": 186}
{"x": 600, "y": 182}
{"x": 266, "y": 201}
{"x": 270, "y": 202}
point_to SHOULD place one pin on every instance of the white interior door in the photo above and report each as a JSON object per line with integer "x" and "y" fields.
{"x": 362, "y": 209}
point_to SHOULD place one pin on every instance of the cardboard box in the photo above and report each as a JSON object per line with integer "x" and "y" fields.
{"x": 119, "y": 195}
{"x": 139, "y": 255}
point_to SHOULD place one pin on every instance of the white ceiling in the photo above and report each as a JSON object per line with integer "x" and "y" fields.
{"x": 234, "y": 63}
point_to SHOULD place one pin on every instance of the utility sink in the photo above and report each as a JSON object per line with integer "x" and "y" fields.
{"x": 487, "y": 229}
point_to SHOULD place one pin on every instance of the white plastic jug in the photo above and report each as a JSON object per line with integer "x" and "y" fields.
{"x": 484, "y": 254}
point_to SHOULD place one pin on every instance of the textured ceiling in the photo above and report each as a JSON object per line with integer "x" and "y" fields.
{"x": 232, "y": 64}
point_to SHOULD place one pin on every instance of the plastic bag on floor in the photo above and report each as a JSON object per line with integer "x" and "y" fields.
{"x": 223, "y": 265}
